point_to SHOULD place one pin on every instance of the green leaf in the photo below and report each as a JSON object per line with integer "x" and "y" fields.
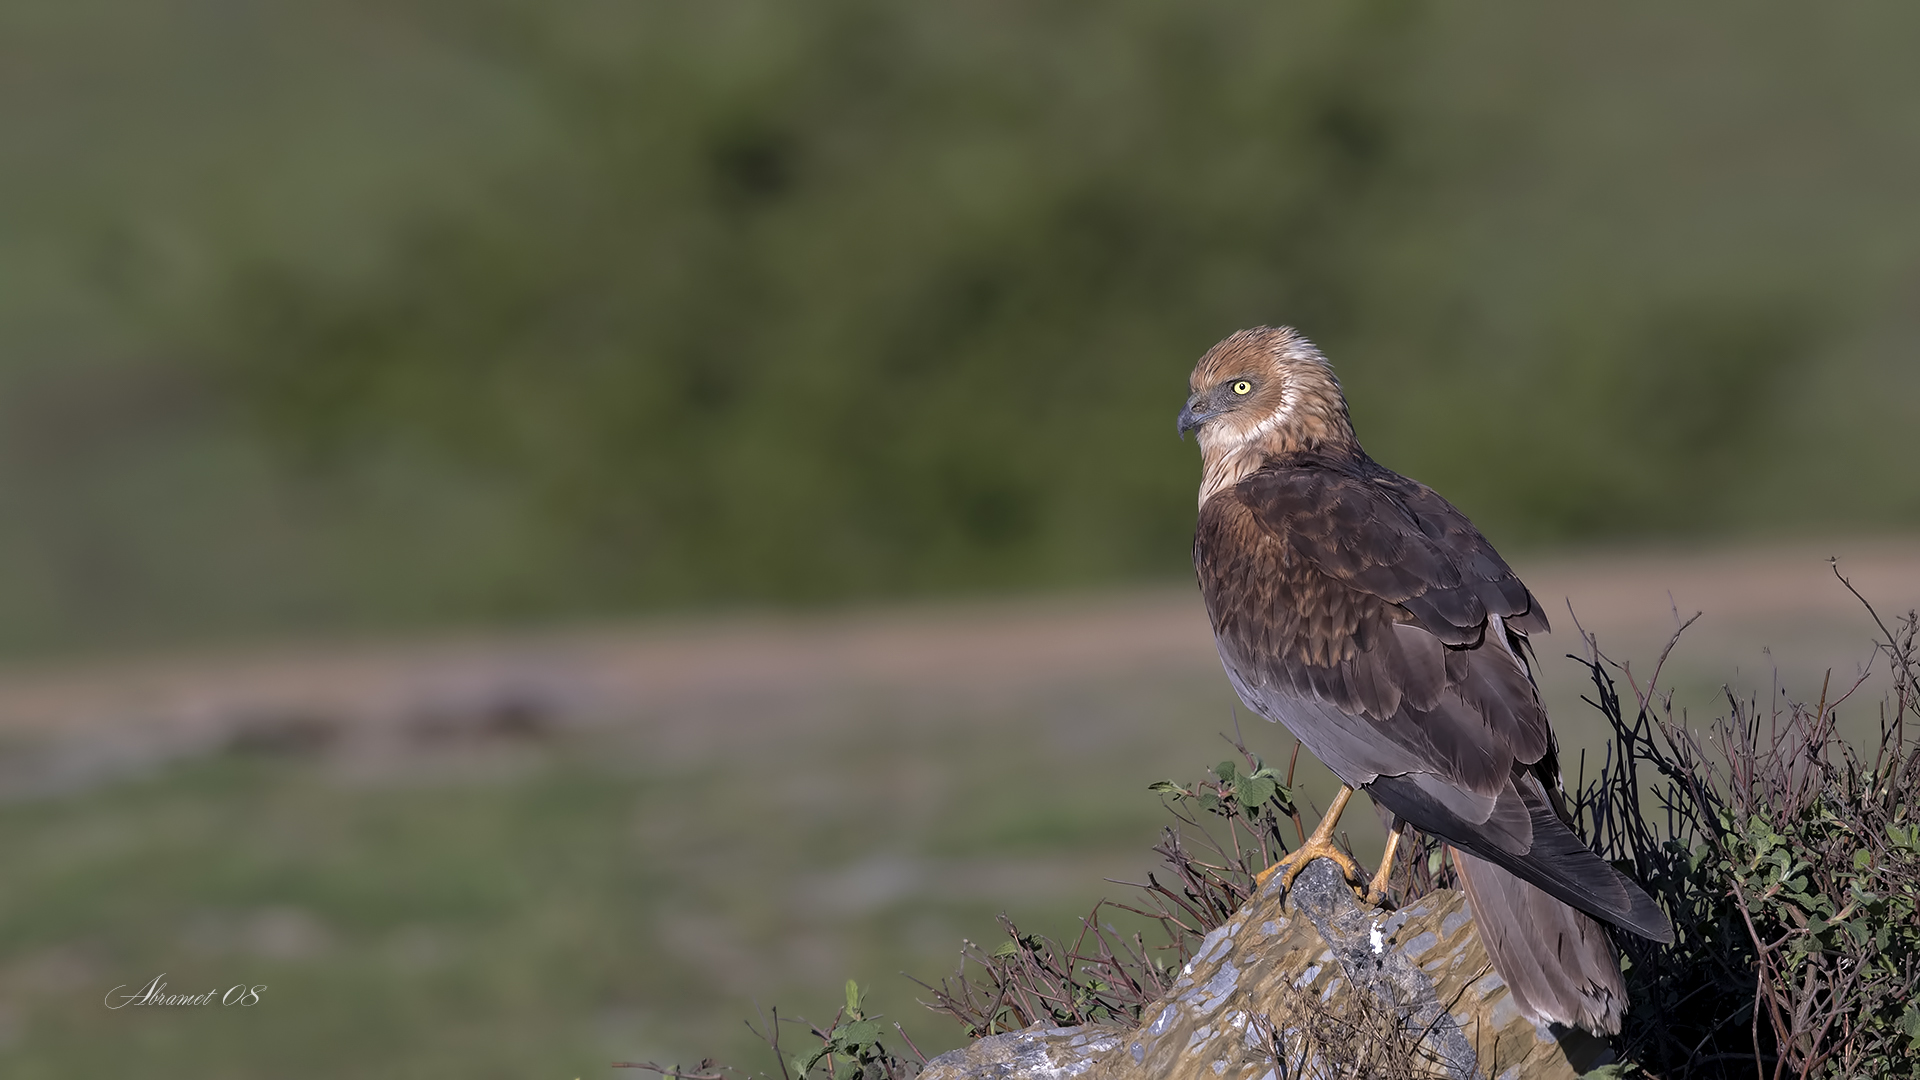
{"x": 804, "y": 1063}
{"x": 1224, "y": 771}
{"x": 1167, "y": 787}
{"x": 1252, "y": 791}
{"x": 860, "y": 1033}
{"x": 853, "y": 999}
{"x": 1910, "y": 1022}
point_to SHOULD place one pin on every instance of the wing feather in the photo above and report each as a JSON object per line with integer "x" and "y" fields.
{"x": 1340, "y": 581}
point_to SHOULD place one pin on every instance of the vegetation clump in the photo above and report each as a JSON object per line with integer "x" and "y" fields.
{"x": 1790, "y": 863}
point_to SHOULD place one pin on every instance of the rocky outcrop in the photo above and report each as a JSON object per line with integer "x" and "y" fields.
{"x": 1309, "y": 984}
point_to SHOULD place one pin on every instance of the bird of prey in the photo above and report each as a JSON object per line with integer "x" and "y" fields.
{"x": 1369, "y": 616}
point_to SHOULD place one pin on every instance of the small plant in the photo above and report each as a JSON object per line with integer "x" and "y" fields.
{"x": 1106, "y": 976}
{"x": 850, "y": 1047}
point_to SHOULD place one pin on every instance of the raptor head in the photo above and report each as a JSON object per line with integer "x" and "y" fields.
{"x": 1259, "y": 393}
{"x": 1261, "y": 383}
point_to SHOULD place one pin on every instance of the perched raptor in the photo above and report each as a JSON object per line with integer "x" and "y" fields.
{"x": 1370, "y": 617}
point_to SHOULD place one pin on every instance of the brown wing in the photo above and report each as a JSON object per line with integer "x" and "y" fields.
{"x": 1345, "y": 583}
{"x": 1368, "y": 615}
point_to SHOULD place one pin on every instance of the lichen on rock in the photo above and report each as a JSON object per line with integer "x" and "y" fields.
{"x": 1309, "y": 983}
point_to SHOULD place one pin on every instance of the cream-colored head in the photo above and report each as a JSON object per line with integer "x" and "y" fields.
{"x": 1259, "y": 393}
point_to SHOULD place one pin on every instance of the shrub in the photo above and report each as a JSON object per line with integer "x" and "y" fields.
{"x": 1790, "y": 863}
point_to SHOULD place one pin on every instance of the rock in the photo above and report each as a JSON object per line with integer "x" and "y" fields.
{"x": 1295, "y": 983}
{"x": 1038, "y": 1052}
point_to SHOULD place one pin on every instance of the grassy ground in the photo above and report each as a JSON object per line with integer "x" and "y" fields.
{"x": 540, "y": 909}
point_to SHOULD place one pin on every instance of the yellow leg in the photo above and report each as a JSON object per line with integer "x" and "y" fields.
{"x": 1318, "y": 846}
{"x": 1377, "y": 892}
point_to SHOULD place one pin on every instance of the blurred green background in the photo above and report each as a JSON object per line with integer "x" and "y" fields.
{"x": 345, "y": 318}
{"x": 344, "y": 315}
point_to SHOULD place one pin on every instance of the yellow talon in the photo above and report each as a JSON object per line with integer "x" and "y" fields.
{"x": 1318, "y": 846}
{"x": 1377, "y": 892}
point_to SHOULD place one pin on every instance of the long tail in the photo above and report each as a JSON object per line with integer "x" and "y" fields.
{"x": 1526, "y": 837}
{"x": 1559, "y": 962}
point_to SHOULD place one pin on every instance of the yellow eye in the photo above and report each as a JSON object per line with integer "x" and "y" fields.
{"x": 1243, "y": 387}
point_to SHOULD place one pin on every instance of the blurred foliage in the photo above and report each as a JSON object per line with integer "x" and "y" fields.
{"x": 429, "y": 310}
{"x": 893, "y": 306}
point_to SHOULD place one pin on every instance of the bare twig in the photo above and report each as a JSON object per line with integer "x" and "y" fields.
{"x": 1904, "y": 661}
{"x": 706, "y": 1070}
{"x": 908, "y": 1039}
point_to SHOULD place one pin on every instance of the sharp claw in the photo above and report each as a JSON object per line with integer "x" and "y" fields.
{"x": 1290, "y": 867}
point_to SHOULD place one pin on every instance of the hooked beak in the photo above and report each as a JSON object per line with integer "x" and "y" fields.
{"x": 1193, "y": 415}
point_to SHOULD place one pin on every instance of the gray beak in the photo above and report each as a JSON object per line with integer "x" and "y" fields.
{"x": 1193, "y": 415}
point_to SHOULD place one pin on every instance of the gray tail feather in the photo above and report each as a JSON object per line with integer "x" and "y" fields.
{"x": 1555, "y": 859}
{"x": 1559, "y": 963}
{"x": 1569, "y": 869}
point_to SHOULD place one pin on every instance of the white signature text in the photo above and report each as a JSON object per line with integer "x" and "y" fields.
{"x": 156, "y": 993}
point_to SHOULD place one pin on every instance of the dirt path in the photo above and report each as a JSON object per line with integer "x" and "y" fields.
{"x": 67, "y": 723}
